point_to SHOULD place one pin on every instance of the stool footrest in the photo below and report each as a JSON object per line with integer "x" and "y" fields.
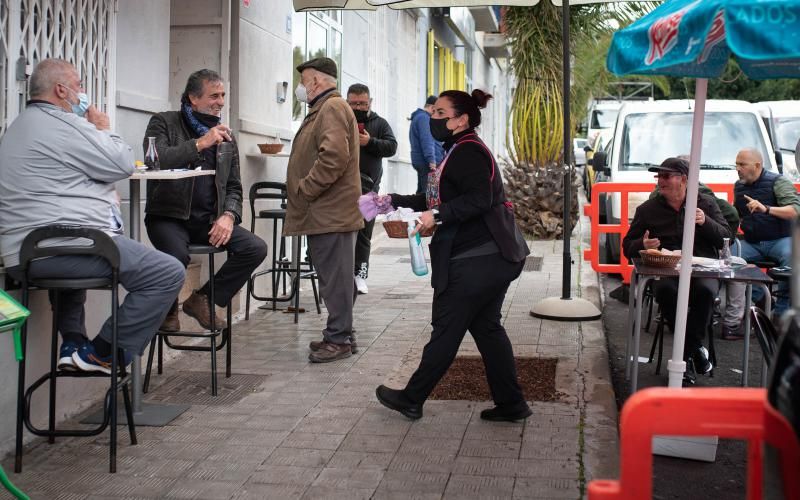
{"x": 205, "y": 335}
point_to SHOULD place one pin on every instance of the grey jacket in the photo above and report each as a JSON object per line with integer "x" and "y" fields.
{"x": 176, "y": 144}
{"x": 57, "y": 168}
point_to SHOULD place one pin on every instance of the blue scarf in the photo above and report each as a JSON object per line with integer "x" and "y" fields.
{"x": 199, "y": 128}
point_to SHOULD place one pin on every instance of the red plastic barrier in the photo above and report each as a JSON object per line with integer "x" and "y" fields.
{"x": 592, "y": 210}
{"x": 728, "y": 413}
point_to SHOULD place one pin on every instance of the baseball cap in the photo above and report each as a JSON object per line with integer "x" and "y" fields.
{"x": 323, "y": 64}
{"x": 677, "y": 165}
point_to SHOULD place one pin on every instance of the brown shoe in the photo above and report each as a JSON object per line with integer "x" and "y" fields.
{"x": 315, "y": 345}
{"x": 330, "y": 352}
{"x": 196, "y": 306}
{"x": 172, "y": 322}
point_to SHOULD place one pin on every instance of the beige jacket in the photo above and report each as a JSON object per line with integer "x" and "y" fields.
{"x": 322, "y": 179}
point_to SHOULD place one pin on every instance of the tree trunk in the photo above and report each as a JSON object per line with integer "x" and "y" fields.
{"x": 538, "y": 197}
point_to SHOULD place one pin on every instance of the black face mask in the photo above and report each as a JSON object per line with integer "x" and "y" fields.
{"x": 361, "y": 115}
{"x": 439, "y": 129}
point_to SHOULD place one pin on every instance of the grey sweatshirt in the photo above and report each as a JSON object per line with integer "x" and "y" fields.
{"x": 57, "y": 168}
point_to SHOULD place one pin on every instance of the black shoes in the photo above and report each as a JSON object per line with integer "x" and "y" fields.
{"x": 397, "y": 401}
{"x": 732, "y": 333}
{"x": 700, "y": 362}
{"x": 510, "y": 413}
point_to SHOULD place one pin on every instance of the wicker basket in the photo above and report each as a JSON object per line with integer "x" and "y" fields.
{"x": 270, "y": 149}
{"x": 669, "y": 261}
{"x": 399, "y": 229}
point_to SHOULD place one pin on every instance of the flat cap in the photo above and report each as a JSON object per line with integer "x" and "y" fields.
{"x": 323, "y": 64}
{"x": 677, "y": 165}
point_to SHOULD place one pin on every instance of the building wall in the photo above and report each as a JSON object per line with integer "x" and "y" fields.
{"x": 158, "y": 43}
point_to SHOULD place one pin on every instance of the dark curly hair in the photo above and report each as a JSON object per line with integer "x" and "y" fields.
{"x": 470, "y": 105}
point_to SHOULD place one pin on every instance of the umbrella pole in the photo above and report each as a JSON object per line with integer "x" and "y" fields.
{"x": 566, "y": 308}
{"x": 676, "y": 366}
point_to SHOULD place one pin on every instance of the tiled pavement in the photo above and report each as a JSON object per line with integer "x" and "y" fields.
{"x": 291, "y": 429}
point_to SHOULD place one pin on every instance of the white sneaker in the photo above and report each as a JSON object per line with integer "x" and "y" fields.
{"x": 361, "y": 285}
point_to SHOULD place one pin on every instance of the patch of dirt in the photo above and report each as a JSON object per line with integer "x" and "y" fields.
{"x": 466, "y": 380}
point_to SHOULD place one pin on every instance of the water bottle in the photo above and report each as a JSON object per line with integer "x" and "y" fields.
{"x": 151, "y": 156}
{"x": 418, "y": 264}
{"x": 725, "y": 257}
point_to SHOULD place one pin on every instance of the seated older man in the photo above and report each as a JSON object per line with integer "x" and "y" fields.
{"x": 658, "y": 223}
{"x": 58, "y": 163}
{"x": 767, "y": 202}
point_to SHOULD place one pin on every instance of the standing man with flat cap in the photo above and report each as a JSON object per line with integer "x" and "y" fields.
{"x": 323, "y": 185}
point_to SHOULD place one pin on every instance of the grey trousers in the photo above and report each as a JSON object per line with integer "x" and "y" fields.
{"x": 333, "y": 257}
{"x": 152, "y": 279}
{"x": 734, "y": 304}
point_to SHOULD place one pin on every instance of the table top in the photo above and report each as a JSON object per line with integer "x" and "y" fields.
{"x": 746, "y": 274}
{"x": 170, "y": 174}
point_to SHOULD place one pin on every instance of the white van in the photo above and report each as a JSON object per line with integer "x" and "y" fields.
{"x": 602, "y": 117}
{"x": 648, "y": 132}
{"x": 782, "y": 119}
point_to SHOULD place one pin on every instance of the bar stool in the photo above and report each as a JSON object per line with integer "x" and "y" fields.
{"x": 281, "y": 264}
{"x": 211, "y": 335}
{"x": 101, "y": 246}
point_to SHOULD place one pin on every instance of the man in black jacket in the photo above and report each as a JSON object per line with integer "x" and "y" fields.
{"x": 658, "y": 223}
{"x": 377, "y": 142}
{"x": 205, "y": 209}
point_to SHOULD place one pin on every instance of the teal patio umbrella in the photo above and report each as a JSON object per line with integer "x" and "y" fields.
{"x": 695, "y": 38}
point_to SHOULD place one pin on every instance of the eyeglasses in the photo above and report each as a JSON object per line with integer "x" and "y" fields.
{"x": 665, "y": 175}
{"x": 359, "y": 104}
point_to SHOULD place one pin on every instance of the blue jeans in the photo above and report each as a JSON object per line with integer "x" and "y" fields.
{"x": 779, "y": 250}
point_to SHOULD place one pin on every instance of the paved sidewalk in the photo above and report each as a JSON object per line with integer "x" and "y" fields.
{"x": 285, "y": 428}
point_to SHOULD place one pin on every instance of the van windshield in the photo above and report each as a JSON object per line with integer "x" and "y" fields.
{"x": 604, "y": 118}
{"x": 787, "y": 131}
{"x": 650, "y": 138}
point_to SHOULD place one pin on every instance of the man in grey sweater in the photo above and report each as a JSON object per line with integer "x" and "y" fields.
{"x": 58, "y": 164}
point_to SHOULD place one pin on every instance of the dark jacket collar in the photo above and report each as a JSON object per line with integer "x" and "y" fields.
{"x": 448, "y": 143}
{"x": 314, "y": 101}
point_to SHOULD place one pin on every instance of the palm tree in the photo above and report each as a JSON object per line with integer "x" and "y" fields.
{"x": 535, "y": 129}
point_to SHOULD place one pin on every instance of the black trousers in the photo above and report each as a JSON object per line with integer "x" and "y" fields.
{"x": 246, "y": 252}
{"x": 363, "y": 244}
{"x": 472, "y": 301}
{"x": 701, "y": 304}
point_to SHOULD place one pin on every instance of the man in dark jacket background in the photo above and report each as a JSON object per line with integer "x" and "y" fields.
{"x": 204, "y": 209}
{"x": 377, "y": 142}
{"x": 426, "y": 152}
{"x": 658, "y": 223}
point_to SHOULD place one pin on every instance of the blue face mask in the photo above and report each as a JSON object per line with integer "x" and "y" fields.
{"x": 83, "y": 102}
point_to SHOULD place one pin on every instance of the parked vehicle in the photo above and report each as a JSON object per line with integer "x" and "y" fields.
{"x": 588, "y": 171}
{"x": 648, "y": 132}
{"x": 782, "y": 119}
{"x": 602, "y": 117}
{"x": 578, "y": 152}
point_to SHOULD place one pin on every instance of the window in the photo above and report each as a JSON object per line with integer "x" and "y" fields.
{"x": 314, "y": 35}
{"x": 444, "y": 71}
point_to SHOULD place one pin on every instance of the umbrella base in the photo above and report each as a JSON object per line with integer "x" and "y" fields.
{"x": 558, "y": 309}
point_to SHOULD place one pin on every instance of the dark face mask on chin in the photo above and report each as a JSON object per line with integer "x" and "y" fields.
{"x": 361, "y": 115}
{"x": 439, "y": 129}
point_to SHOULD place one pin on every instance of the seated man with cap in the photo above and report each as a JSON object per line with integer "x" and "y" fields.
{"x": 658, "y": 223}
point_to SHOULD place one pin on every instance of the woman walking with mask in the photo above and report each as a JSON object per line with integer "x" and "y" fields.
{"x": 476, "y": 252}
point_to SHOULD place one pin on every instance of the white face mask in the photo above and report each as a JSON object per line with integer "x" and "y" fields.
{"x": 300, "y": 93}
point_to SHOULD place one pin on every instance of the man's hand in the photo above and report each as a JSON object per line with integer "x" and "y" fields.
{"x": 214, "y": 136}
{"x": 755, "y": 205}
{"x": 221, "y": 230}
{"x": 97, "y": 118}
{"x": 425, "y": 221}
{"x": 363, "y": 137}
{"x": 650, "y": 242}
{"x": 699, "y": 217}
